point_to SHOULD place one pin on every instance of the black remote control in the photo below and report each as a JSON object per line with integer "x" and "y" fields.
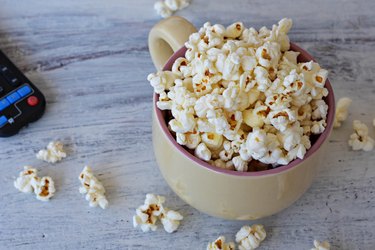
{"x": 20, "y": 101}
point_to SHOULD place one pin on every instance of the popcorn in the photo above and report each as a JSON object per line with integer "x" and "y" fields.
{"x": 234, "y": 30}
{"x": 219, "y": 244}
{"x": 341, "y": 111}
{"x": 240, "y": 96}
{"x": 268, "y": 55}
{"x": 202, "y": 152}
{"x": 54, "y": 152}
{"x": 171, "y": 220}
{"x": 360, "y": 140}
{"x": 318, "y": 127}
{"x": 218, "y": 121}
{"x": 167, "y": 7}
{"x": 44, "y": 188}
{"x": 321, "y": 245}
{"x": 161, "y": 81}
{"x": 256, "y": 143}
{"x": 226, "y": 155}
{"x": 222, "y": 164}
{"x": 162, "y": 9}
{"x": 92, "y": 187}
{"x": 262, "y": 78}
{"x": 190, "y": 140}
{"x": 235, "y": 99}
{"x": 256, "y": 117}
{"x": 239, "y": 164}
{"x": 249, "y": 238}
{"x": 144, "y": 219}
{"x": 280, "y": 119}
{"x": 279, "y": 33}
{"x": 28, "y": 182}
{"x": 213, "y": 141}
{"x": 153, "y": 209}
{"x": 320, "y": 78}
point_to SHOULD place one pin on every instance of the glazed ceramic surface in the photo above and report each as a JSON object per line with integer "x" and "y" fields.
{"x": 225, "y": 193}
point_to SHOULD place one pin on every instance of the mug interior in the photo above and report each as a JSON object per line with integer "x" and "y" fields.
{"x": 317, "y": 141}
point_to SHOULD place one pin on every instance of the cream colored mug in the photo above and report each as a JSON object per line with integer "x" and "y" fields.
{"x": 218, "y": 192}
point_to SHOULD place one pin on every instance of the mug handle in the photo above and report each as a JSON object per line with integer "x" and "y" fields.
{"x": 168, "y": 36}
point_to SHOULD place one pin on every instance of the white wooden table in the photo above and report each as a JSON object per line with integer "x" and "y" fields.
{"x": 90, "y": 58}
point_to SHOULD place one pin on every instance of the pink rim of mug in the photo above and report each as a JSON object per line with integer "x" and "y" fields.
{"x": 330, "y": 100}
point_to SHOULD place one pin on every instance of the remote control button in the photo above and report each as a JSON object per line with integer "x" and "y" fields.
{"x": 4, "y": 104}
{"x": 11, "y": 79}
{"x": 32, "y": 101}
{"x": 3, "y": 120}
{"x": 24, "y": 91}
{"x": 14, "y": 97}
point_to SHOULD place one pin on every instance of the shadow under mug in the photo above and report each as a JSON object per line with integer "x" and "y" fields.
{"x": 218, "y": 192}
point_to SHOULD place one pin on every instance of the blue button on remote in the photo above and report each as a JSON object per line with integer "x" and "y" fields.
{"x": 3, "y": 120}
{"x": 4, "y": 104}
{"x": 12, "y": 98}
{"x": 24, "y": 91}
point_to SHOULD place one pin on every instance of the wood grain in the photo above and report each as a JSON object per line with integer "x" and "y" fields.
{"x": 90, "y": 58}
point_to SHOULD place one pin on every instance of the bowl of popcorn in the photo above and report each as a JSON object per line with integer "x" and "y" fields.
{"x": 241, "y": 116}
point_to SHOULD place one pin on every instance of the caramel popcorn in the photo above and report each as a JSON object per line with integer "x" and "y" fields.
{"x": 239, "y": 95}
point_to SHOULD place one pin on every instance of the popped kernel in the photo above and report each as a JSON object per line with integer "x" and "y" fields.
{"x": 170, "y": 220}
{"x": 202, "y": 152}
{"x": 28, "y": 182}
{"x": 249, "y": 238}
{"x": 321, "y": 245}
{"x": 44, "y": 188}
{"x": 26, "y": 179}
{"x": 360, "y": 140}
{"x": 341, "y": 113}
{"x": 220, "y": 244}
{"x": 153, "y": 209}
{"x": 167, "y": 7}
{"x": 93, "y": 188}
{"x": 53, "y": 153}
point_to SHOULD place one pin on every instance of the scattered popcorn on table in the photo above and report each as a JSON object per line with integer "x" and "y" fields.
{"x": 148, "y": 214}
{"x": 341, "y": 111}
{"x": 167, "y": 7}
{"x": 219, "y": 244}
{"x": 360, "y": 140}
{"x": 54, "y": 152}
{"x": 249, "y": 238}
{"x": 93, "y": 188}
{"x": 28, "y": 182}
{"x": 321, "y": 245}
{"x": 240, "y": 95}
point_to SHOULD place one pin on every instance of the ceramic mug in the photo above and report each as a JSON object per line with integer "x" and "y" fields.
{"x": 219, "y": 192}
